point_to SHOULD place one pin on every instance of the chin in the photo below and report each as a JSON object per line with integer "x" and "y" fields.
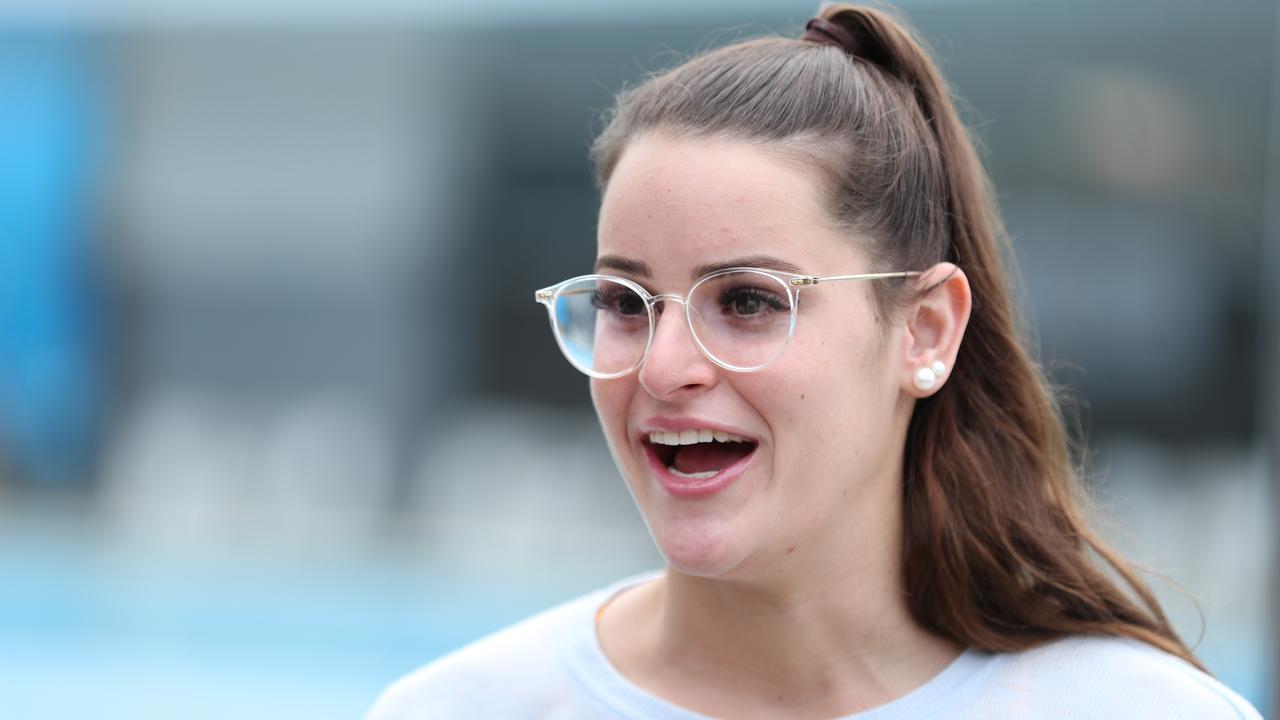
{"x": 699, "y": 546}
{"x": 709, "y": 536}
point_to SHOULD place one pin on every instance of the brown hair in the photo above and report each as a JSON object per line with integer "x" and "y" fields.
{"x": 997, "y": 552}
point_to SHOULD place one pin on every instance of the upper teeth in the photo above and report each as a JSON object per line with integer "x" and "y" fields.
{"x": 693, "y": 437}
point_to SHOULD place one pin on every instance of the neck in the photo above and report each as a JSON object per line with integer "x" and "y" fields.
{"x": 836, "y": 630}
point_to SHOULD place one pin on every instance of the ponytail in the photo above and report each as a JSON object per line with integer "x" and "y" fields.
{"x": 997, "y": 552}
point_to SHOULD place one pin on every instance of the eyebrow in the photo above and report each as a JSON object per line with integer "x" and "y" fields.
{"x": 640, "y": 268}
{"x": 764, "y": 262}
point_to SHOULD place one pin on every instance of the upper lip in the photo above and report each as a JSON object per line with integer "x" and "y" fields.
{"x": 677, "y": 424}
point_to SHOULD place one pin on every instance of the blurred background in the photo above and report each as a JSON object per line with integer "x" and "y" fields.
{"x": 279, "y": 420}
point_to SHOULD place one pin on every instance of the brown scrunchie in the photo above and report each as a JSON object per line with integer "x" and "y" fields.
{"x": 825, "y": 32}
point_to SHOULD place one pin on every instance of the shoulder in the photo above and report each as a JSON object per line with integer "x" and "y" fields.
{"x": 514, "y": 672}
{"x": 1115, "y": 677}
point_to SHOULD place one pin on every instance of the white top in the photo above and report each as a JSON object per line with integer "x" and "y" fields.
{"x": 551, "y": 667}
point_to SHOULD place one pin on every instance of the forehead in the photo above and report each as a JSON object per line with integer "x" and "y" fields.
{"x": 677, "y": 202}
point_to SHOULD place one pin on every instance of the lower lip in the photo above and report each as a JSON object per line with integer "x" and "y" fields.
{"x": 696, "y": 487}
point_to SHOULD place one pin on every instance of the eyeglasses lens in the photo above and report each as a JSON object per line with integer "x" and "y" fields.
{"x": 603, "y": 325}
{"x": 742, "y": 318}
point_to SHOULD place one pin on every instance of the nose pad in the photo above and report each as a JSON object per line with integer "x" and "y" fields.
{"x": 674, "y": 361}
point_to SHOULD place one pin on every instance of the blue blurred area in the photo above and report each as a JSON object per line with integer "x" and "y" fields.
{"x": 108, "y": 631}
{"x": 51, "y": 121}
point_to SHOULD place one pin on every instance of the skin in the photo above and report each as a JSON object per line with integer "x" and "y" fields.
{"x": 783, "y": 594}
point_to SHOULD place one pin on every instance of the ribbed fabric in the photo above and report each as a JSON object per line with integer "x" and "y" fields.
{"x": 551, "y": 666}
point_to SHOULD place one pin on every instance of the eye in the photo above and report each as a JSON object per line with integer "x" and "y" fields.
{"x": 748, "y": 302}
{"x": 618, "y": 299}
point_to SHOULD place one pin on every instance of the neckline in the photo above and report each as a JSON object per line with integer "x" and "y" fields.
{"x": 587, "y": 662}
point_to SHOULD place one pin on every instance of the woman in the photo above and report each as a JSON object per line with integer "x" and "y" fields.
{"x": 806, "y": 365}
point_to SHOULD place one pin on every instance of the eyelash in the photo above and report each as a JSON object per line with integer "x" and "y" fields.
{"x": 731, "y": 295}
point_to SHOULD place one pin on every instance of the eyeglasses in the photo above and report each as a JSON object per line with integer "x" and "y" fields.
{"x": 740, "y": 318}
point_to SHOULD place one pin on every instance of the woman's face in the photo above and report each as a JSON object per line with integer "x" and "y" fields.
{"x": 825, "y": 421}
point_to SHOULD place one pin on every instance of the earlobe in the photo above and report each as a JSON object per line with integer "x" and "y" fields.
{"x": 935, "y": 328}
{"x": 927, "y": 377}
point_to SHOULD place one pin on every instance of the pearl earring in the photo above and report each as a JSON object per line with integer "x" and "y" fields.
{"x": 927, "y": 377}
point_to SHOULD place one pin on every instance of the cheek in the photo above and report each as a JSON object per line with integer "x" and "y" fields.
{"x": 610, "y": 398}
{"x": 830, "y": 391}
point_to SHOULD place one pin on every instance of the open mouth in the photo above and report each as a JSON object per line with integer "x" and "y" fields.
{"x": 698, "y": 454}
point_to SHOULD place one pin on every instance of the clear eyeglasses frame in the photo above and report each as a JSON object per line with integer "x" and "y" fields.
{"x": 750, "y": 347}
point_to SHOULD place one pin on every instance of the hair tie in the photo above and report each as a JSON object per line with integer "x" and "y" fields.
{"x": 825, "y": 32}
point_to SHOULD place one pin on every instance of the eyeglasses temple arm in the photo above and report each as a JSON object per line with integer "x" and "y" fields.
{"x": 814, "y": 280}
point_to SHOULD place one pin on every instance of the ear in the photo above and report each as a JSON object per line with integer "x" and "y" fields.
{"x": 935, "y": 325}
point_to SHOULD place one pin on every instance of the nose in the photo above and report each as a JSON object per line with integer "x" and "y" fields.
{"x": 675, "y": 366}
